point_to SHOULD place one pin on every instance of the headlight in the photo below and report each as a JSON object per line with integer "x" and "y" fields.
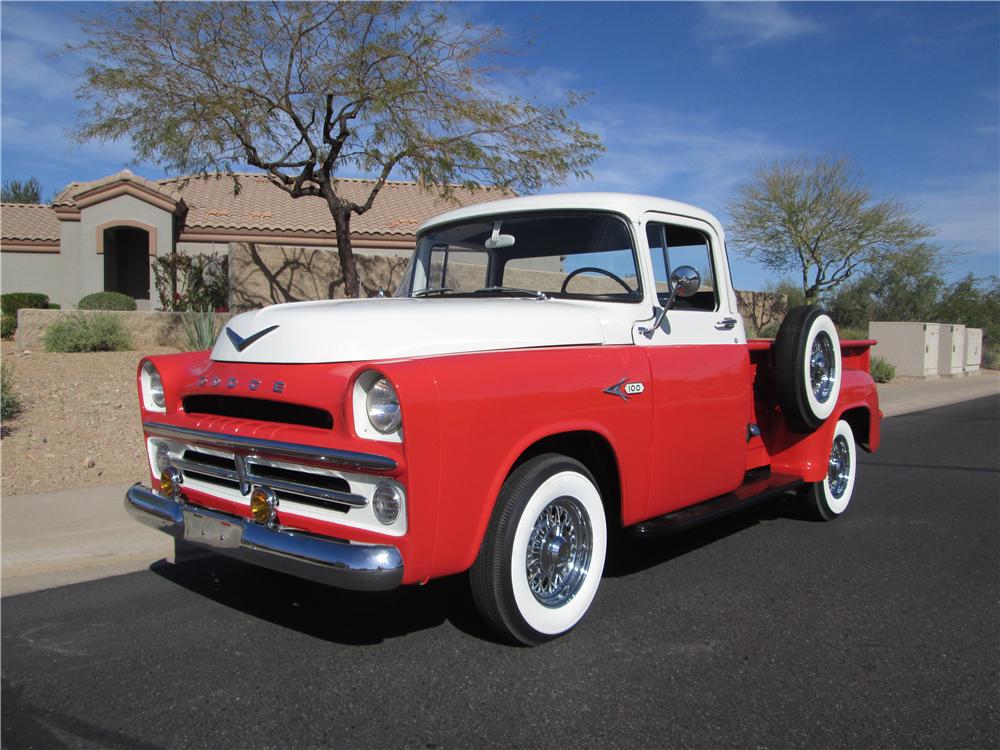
{"x": 383, "y": 407}
{"x": 152, "y": 388}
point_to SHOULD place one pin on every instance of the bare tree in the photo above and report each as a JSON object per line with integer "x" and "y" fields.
{"x": 302, "y": 90}
{"x": 815, "y": 217}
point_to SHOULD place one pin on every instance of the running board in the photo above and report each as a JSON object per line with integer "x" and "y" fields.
{"x": 755, "y": 488}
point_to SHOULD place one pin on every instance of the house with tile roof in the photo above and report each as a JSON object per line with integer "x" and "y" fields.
{"x": 103, "y": 235}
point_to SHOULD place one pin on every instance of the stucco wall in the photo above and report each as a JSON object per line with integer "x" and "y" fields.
{"x": 147, "y": 329}
{"x": 32, "y": 272}
{"x": 262, "y": 275}
{"x": 89, "y": 277}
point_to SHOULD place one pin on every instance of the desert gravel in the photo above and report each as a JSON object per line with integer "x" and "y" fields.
{"x": 79, "y": 425}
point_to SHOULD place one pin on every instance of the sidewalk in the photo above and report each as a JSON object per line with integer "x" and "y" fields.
{"x": 912, "y": 394}
{"x": 58, "y": 538}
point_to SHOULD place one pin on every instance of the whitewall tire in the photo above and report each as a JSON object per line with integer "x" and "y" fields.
{"x": 807, "y": 367}
{"x": 827, "y": 500}
{"x": 540, "y": 564}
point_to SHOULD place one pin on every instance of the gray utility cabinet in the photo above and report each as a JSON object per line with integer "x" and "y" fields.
{"x": 973, "y": 349}
{"x": 912, "y": 348}
{"x": 951, "y": 351}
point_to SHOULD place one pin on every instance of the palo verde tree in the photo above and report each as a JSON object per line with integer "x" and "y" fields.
{"x": 817, "y": 218}
{"x": 303, "y": 91}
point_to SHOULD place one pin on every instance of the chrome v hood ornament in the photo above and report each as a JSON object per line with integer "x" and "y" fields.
{"x": 242, "y": 343}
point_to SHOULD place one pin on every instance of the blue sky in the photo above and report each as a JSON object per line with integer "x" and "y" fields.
{"x": 690, "y": 98}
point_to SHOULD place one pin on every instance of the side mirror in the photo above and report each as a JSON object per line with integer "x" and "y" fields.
{"x": 685, "y": 282}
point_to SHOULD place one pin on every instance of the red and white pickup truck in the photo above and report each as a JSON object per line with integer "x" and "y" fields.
{"x": 551, "y": 369}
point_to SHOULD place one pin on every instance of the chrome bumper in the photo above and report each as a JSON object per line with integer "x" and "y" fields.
{"x": 361, "y": 567}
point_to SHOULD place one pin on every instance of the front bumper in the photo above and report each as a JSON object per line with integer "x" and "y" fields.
{"x": 346, "y": 565}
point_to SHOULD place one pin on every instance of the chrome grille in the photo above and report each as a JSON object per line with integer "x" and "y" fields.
{"x": 242, "y": 472}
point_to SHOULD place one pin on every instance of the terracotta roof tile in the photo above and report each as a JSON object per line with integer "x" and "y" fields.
{"x": 261, "y": 206}
{"x": 28, "y": 221}
{"x": 68, "y": 195}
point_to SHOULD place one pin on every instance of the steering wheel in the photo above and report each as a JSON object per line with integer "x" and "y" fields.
{"x": 604, "y": 271}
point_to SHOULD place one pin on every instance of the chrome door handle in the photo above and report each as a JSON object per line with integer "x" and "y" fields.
{"x": 726, "y": 324}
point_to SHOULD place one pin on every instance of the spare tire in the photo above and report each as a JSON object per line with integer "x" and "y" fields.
{"x": 807, "y": 367}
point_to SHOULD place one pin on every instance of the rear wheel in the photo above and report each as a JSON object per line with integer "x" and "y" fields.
{"x": 541, "y": 561}
{"x": 826, "y": 500}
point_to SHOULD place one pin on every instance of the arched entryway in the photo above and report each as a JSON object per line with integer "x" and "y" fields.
{"x": 126, "y": 261}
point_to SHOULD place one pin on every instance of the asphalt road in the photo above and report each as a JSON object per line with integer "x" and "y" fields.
{"x": 877, "y": 630}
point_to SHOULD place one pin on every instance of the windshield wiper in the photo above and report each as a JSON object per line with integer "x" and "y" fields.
{"x": 433, "y": 290}
{"x": 512, "y": 290}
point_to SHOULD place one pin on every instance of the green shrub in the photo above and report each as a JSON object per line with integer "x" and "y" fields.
{"x": 200, "y": 329}
{"x": 192, "y": 282}
{"x": 54, "y": 306}
{"x": 10, "y": 402}
{"x": 107, "y": 301}
{"x": 770, "y": 330}
{"x": 991, "y": 357}
{"x": 8, "y": 326}
{"x": 882, "y": 370}
{"x": 852, "y": 334}
{"x": 11, "y": 302}
{"x": 100, "y": 332}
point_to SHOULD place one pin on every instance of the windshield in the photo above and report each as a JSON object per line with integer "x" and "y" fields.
{"x": 569, "y": 255}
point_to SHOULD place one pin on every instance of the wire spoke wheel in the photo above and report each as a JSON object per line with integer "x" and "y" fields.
{"x": 822, "y": 367}
{"x": 828, "y": 499}
{"x": 541, "y": 560}
{"x": 559, "y": 551}
{"x": 839, "y": 472}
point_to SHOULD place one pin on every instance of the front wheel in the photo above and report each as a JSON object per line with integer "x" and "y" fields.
{"x": 541, "y": 561}
{"x": 826, "y": 500}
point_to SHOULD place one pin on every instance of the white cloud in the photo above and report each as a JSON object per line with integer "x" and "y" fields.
{"x": 751, "y": 24}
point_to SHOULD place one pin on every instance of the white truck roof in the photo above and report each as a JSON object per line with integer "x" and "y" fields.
{"x": 631, "y": 205}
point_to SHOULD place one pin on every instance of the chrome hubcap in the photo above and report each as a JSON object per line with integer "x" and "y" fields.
{"x": 840, "y": 467}
{"x": 559, "y": 551}
{"x": 821, "y": 367}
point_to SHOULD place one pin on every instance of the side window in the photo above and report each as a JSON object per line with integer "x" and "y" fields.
{"x": 672, "y": 246}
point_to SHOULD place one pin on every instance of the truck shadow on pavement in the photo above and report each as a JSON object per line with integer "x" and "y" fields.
{"x": 362, "y": 618}
{"x": 348, "y": 617}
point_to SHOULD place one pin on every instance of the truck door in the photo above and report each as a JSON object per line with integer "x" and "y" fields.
{"x": 700, "y": 369}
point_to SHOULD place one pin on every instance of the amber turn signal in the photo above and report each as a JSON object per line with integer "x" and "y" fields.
{"x": 170, "y": 483}
{"x": 263, "y": 505}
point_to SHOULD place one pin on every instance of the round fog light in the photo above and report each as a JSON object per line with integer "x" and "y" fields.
{"x": 170, "y": 483}
{"x": 387, "y": 503}
{"x": 263, "y": 505}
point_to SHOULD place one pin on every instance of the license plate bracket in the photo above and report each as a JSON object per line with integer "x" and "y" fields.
{"x": 212, "y": 531}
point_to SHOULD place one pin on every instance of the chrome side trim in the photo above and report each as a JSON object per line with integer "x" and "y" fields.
{"x": 360, "y": 567}
{"x": 273, "y": 448}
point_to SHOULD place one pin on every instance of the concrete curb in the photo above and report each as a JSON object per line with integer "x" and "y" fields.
{"x": 71, "y": 536}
